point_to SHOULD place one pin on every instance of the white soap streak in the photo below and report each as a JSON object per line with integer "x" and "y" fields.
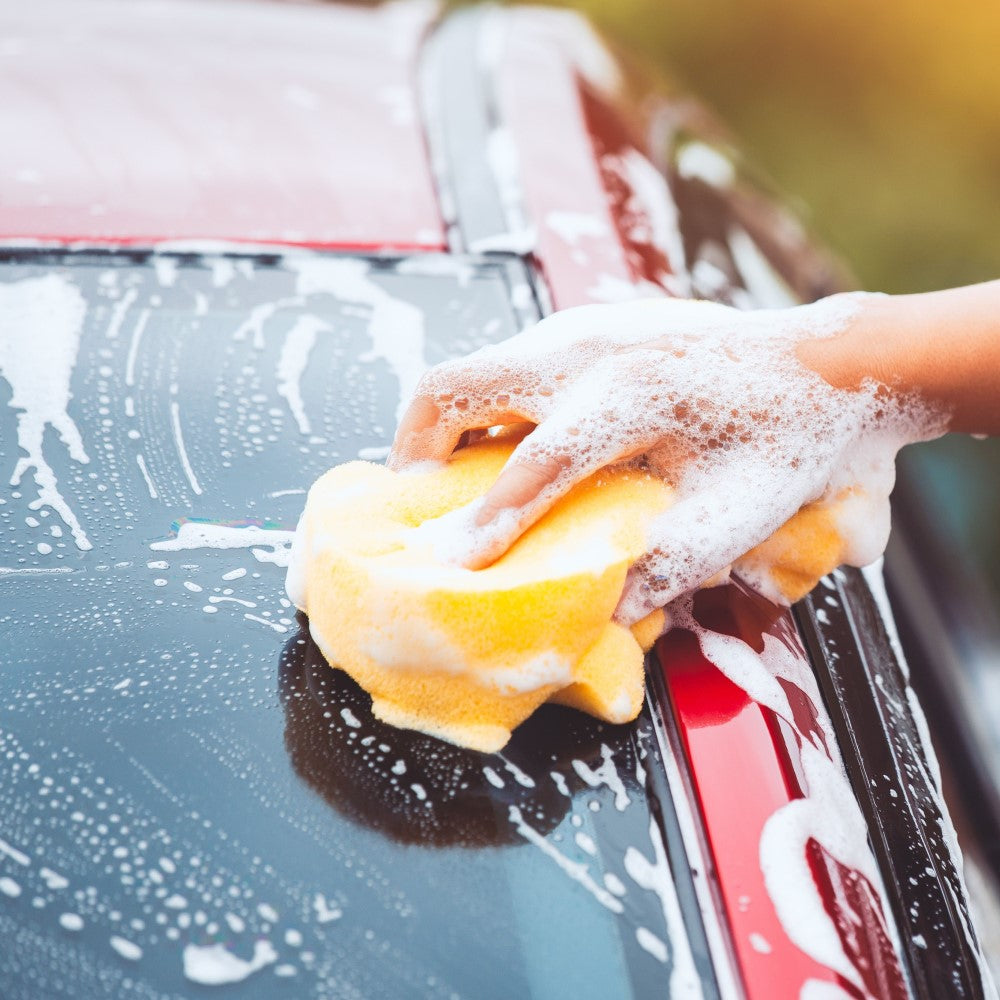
{"x": 125, "y": 948}
{"x": 875, "y": 579}
{"x": 195, "y": 535}
{"x": 395, "y": 327}
{"x": 606, "y": 774}
{"x": 118, "y": 313}
{"x": 292, "y": 364}
{"x": 576, "y": 870}
{"x": 571, "y": 226}
{"x": 648, "y": 941}
{"x": 215, "y": 965}
{"x": 653, "y": 202}
{"x": 32, "y": 570}
{"x": 560, "y": 783}
{"x": 222, "y": 272}
{"x": 829, "y": 813}
{"x": 699, "y": 161}
{"x": 524, "y": 780}
{"x": 9, "y": 887}
{"x": 40, "y": 324}
{"x": 350, "y": 718}
{"x": 655, "y": 876}
{"x": 166, "y": 270}
{"x": 263, "y": 621}
{"x": 71, "y": 921}
{"x": 492, "y": 777}
{"x": 233, "y": 600}
{"x": 325, "y": 912}
{"x": 377, "y": 453}
{"x": 133, "y": 346}
{"x": 259, "y": 315}
{"x": 234, "y": 574}
{"x": 150, "y": 486}
{"x": 284, "y": 493}
{"x": 14, "y": 854}
{"x": 763, "y": 282}
{"x": 53, "y": 880}
{"x": 175, "y": 421}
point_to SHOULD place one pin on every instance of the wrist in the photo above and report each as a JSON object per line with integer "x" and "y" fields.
{"x": 859, "y": 344}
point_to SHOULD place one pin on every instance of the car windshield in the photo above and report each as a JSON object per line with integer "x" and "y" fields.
{"x": 189, "y": 794}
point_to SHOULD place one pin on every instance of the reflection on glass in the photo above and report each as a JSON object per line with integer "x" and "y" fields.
{"x": 415, "y": 788}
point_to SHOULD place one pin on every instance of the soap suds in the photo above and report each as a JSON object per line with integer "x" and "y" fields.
{"x": 216, "y": 965}
{"x": 127, "y": 949}
{"x": 577, "y": 871}
{"x": 175, "y": 423}
{"x": 292, "y": 363}
{"x": 396, "y": 327}
{"x": 606, "y": 774}
{"x": 720, "y": 387}
{"x": 41, "y": 320}
{"x": 273, "y": 542}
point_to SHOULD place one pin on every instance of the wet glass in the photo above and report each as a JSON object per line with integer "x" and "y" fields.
{"x": 190, "y": 796}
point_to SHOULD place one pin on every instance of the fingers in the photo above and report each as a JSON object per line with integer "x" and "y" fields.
{"x": 576, "y": 440}
{"x": 700, "y": 537}
{"x": 483, "y": 390}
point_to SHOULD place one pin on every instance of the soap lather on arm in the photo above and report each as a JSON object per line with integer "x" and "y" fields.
{"x": 759, "y": 420}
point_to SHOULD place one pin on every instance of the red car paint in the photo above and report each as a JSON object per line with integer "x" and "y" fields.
{"x": 183, "y": 120}
{"x": 744, "y": 765}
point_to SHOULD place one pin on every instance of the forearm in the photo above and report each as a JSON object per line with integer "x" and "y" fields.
{"x": 942, "y": 346}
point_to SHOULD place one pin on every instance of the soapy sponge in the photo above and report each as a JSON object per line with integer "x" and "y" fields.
{"x": 467, "y": 655}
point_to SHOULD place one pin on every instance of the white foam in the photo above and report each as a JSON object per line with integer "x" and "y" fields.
{"x": 121, "y": 307}
{"x": 41, "y": 320}
{"x": 195, "y": 535}
{"x": 9, "y": 887}
{"x": 572, "y": 226}
{"x": 216, "y": 965}
{"x": 127, "y": 949}
{"x": 292, "y": 363}
{"x": 19, "y": 857}
{"x": 150, "y": 485}
{"x": 576, "y": 870}
{"x": 71, "y": 921}
{"x": 396, "y": 328}
{"x": 698, "y": 160}
{"x": 325, "y": 912}
{"x": 655, "y": 876}
{"x": 828, "y": 813}
{"x": 605, "y": 774}
{"x": 175, "y": 423}
{"x": 648, "y": 941}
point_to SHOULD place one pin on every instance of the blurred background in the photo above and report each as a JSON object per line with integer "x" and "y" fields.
{"x": 881, "y": 120}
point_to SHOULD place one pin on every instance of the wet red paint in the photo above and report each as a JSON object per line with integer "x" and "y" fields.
{"x": 744, "y": 765}
{"x": 266, "y": 122}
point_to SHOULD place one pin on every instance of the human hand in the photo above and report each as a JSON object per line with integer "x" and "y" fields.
{"x": 712, "y": 399}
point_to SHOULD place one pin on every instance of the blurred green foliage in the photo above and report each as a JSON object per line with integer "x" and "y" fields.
{"x": 879, "y": 118}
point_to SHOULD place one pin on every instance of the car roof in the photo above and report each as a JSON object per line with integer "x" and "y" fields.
{"x": 210, "y": 120}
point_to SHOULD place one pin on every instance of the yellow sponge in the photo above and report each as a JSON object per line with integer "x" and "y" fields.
{"x": 467, "y": 655}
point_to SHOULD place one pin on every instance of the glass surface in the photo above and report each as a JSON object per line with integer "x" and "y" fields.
{"x": 189, "y": 796}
